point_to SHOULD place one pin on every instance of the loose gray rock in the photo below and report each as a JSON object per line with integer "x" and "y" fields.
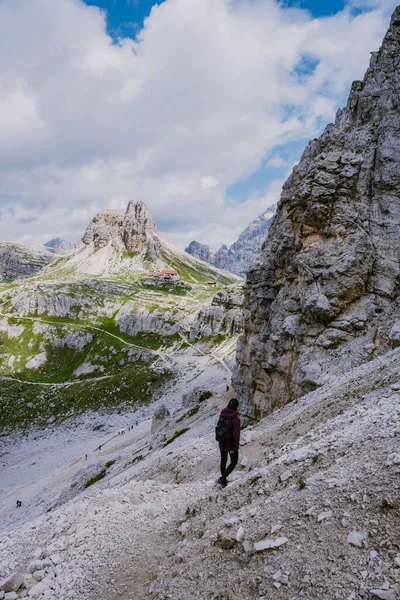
{"x": 12, "y": 583}
{"x": 356, "y": 538}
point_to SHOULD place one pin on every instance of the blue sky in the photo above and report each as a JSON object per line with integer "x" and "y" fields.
{"x": 125, "y": 17}
{"x": 201, "y": 116}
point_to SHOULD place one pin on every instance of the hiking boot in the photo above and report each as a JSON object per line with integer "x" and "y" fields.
{"x": 222, "y": 482}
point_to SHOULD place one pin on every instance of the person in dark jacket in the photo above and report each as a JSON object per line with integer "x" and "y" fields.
{"x": 230, "y": 412}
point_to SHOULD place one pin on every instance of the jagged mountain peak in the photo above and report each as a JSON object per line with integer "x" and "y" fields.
{"x": 134, "y": 231}
{"x": 242, "y": 253}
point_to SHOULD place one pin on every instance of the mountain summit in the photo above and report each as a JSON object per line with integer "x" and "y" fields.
{"x": 242, "y": 253}
{"x": 324, "y": 296}
{"x": 134, "y": 232}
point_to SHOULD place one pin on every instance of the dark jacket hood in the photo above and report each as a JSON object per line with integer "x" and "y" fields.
{"x": 228, "y": 413}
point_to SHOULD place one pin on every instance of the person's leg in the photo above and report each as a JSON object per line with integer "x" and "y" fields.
{"x": 234, "y": 461}
{"x": 224, "y": 459}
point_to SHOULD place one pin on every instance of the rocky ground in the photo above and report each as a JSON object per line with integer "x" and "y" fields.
{"x": 312, "y": 512}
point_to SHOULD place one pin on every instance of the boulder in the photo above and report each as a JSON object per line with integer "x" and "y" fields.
{"x": 12, "y": 583}
{"x": 159, "y": 416}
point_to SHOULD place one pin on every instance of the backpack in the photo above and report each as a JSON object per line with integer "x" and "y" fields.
{"x": 224, "y": 432}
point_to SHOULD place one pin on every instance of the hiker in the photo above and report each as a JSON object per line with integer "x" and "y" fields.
{"x": 19, "y": 503}
{"x": 227, "y": 433}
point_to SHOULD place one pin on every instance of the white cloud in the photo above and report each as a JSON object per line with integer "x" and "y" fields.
{"x": 194, "y": 105}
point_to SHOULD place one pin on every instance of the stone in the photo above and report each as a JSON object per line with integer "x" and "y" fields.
{"x": 394, "y": 335}
{"x": 285, "y": 475}
{"x": 11, "y": 596}
{"x": 160, "y": 414}
{"x": 324, "y": 515}
{"x": 281, "y": 578}
{"x": 356, "y": 538}
{"x": 226, "y": 541}
{"x": 12, "y": 583}
{"x": 383, "y": 594}
{"x": 339, "y": 281}
{"x": 269, "y": 544}
{"x": 240, "y": 534}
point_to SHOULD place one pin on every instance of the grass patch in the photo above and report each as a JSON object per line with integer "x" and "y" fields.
{"x": 190, "y": 413}
{"x": 175, "y": 436}
{"x": 386, "y": 505}
{"x": 205, "y": 395}
{"x": 110, "y": 463}
{"x": 315, "y": 458}
{"x": 301, "y": 484}
{"x": 95, "y": 479}
{"x": 24, "y": 406}
{"x": 136, "y": 459}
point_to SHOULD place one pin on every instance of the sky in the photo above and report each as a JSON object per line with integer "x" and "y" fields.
{"x": 200, "y": 108}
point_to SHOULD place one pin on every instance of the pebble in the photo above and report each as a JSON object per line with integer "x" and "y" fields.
{"x": 240, "y": 534}
{"x": 285, "y": 475}
{"x": 269, "y": 544}
{"x": 356, "y": 538}
{"x": 383, "y": 594}
{"x": 324, "y": 515}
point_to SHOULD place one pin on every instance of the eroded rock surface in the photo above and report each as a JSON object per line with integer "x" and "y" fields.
{"x": 18, "y": 261}
{"x": 324, "y": 295}
{"x": 223, "y": 316}
{"x": 134, "y": 232}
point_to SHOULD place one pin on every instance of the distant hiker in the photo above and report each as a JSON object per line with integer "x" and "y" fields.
{"x": 85, "y": 456}
{"x": 227, "y": 433}
{"x": 19, "y": 503}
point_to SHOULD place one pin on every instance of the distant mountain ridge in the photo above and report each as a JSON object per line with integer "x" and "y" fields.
{"x": 242, "y": 253}
{"x": 60, "y": 245}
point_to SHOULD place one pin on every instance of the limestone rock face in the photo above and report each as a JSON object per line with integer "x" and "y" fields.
{"x": 134, "y": 232}
{"x": 324, "y": 294}
{"x": 242, "y": 254}
{"x": 223, "y": 316}
{"x": 18, "y": 261}
{"x": 200, "y": 251}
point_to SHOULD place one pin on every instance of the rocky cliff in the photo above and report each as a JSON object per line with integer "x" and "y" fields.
{"x": 200, "y": 251}
{"x": 223, "y": 316}
{"x": 18, "y": 261}
{"x": 324, "y": 295}
{"x": 134, "y": 232}
{"x": 242, "y": 253}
